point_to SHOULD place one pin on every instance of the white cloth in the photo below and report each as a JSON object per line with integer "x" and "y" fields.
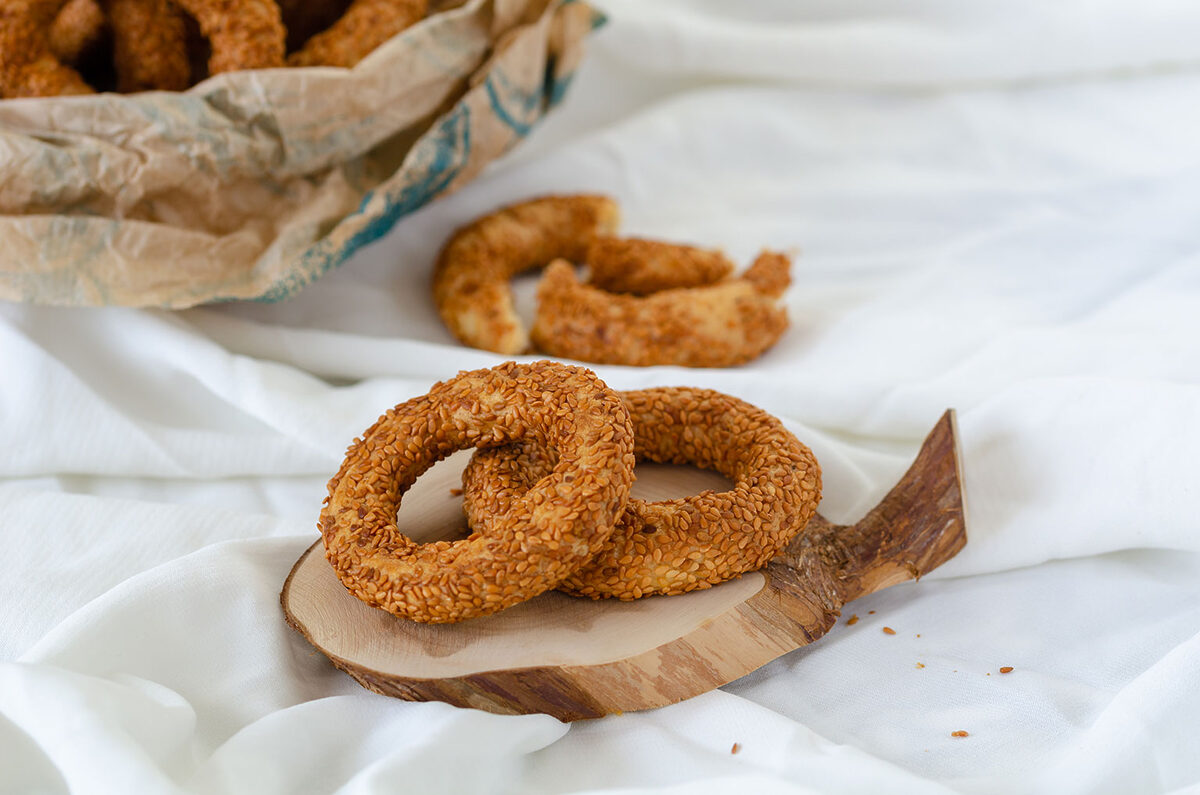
{"x": 996, "y": 212}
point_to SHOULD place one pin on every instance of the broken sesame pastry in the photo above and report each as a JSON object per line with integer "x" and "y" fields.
{"x": 715, "y": 325}
{"x": 639, "y": 266}
{"x": 471, "y": 279}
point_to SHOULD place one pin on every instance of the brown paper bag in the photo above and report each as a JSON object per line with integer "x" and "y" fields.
{"x": 250, "y": 185}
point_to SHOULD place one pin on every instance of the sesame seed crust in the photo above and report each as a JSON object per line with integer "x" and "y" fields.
{"x": 149, "y": 39}
{"x": 716, "y": 325}
{"x": 365, "y": 25}
{"x": 243, "y": 34}
{"x": 28, "y": 65}
{"x": 675, "y": 546}
{"x": 640, "y": 266}
{"x": 557, "y": 524}
{"x": 471, "y": 279}
{"x": 76, "y": 29}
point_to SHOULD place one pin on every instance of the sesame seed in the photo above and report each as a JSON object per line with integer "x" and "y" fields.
{"x": 699, "y": 540}
{"x": 452, "y": 581}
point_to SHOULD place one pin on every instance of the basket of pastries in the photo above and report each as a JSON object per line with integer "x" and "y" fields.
{"x": 176, "y": 152}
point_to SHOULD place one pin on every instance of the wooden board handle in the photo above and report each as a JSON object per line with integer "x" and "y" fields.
{"x": 918, "y": 526}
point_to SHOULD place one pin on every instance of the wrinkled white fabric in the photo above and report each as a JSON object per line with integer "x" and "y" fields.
{"x": 994, "y": 208}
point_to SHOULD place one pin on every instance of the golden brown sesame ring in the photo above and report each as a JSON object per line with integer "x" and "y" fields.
{"x": 244, "y": 34}
{"x": 149, "y": 45}
{"x": 674, "y": 546}
{"x": 365, "y": 25}
{"x": 28, "y": 66}
{"x": 639, "y": 266}
{"x": 76, "y": 29}
{"x": 471, "y": 280}
{"x": 718, "y": 325}
{"x": 545, "y": 534}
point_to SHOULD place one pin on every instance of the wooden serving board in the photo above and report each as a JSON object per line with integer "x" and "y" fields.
{"x": 577, "y": 658}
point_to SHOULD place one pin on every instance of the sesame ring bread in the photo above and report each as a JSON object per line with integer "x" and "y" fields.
{"x": 471, "y": 279}
{"x": 244, "y": 34}
{"x": 76, "y": 29}
{"x": 680, "y": 545}
{"x": 640, "y": 266}
{"x": 716, "y": 325}
{"x": 28, "y": 65}
{"x": 556, "y": 525}
{"x": 365, "y": 25}
{"x": 150, "y": 45}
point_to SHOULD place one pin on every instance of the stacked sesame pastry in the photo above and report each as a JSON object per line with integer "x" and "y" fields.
{"x": 168, "y": 45}
{"x": 647, "y": 302}
{"x": 547, "y": 493}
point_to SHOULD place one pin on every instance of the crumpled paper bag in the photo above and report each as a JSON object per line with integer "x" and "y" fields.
{"x": 252, "y": 184}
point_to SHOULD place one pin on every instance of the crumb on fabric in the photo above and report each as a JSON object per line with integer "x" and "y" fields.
{"x": 959, "y": 733}
{"x": 920, "y": 665}
{"x": 889, "y": 631}
{"x": 852, "y": 620}
{"x": 736, "y": 747}
{"x": 1006, "y": 669}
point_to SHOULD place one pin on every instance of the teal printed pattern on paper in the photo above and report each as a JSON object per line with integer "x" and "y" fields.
{"x": 437, "y": 160}
{"x": 442, "y": 155}
{"x": 513, "y": 105}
